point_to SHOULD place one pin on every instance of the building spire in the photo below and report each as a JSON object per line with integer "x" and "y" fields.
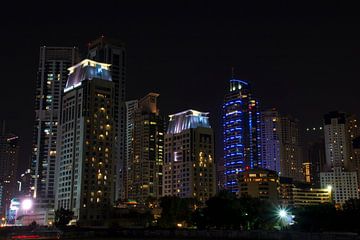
{"x": 232, "y": 73}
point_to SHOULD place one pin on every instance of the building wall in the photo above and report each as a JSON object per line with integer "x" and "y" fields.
{"x": 259, "y": 183}
{"x": 311, "y": 196}
{"x": 147, "y": 151}
{"x": 336, "y": 142}
{"x": 344, "y": 184}
{"x": 291, "y": 151}
{"x": 189, "y": 167}
{"x": 131, "y": 107}
{"x": 86, "y": 170}
{"x": 271, "y": 140}
{"x": 9, "y": 160}
{"x": 113, "y": 52}
{"x": 51, "y": 80}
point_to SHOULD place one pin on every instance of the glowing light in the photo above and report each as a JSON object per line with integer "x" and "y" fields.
{"x": 26, "y": 204}
{"x": 186, "y": 120}
{"x": 282, "y": 213}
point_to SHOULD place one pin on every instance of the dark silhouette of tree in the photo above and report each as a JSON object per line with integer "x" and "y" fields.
{"x": 225, "y": 211}
{"x": 63, "y": 217}
{"x": 314, "y": 218}
{"x": 176, "y": 210}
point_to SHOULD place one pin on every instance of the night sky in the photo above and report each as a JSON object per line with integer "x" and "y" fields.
{"x": 302, "y": 59}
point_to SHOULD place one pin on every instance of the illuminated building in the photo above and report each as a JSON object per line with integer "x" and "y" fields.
{"x": 291, "y": 162}
{"x": 189, "y": 167}
{"x": 297, "y": 194}
{"x": 340, "y": 129}
{"x": 51, "y": 80}
{"x": 259, "y": 183}
{"x": 286, "y": 191}
{"x": 85, "y": 164}
{"x": 307, "y": 172}
{"x": 131, "y": 107}
{"x": 281, "y": 150}
{"x": 344, "y": 184}
{"x": 147, "y": 151}
{"x": 113, "y": 52}
{"x": 241, "y": 136}
{"x": 271, "y": 144}
{"x": 336, "y": 147}
{"x": 9, "y": 157}
{"x": 311, "y": 196}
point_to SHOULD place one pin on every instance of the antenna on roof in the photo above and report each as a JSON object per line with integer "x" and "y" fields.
{"x": 232, "y": 73}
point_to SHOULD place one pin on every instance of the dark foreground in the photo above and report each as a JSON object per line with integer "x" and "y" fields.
{"x": 178, "y": 234}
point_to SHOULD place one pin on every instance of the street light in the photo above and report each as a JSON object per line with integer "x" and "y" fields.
{"x": 26, "y": 204}
{"x": 282, "y": 213}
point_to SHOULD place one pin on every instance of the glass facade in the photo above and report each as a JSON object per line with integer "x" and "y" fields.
{"x": 241, "y": 136}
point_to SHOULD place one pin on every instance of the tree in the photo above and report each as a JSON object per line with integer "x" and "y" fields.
{"x": 63, "y": 217}
{"x": 225, "y": 211}
{"x": 176, "y": 210}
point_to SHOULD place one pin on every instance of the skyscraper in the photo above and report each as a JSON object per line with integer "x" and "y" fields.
{"x": 336, "y": 141}
{"x": 51, "y": 80}
{"x": 113, "y": 52}
{"x": 291, "y": 161}
{"x": 189, "y": 166}
{"x": 339, "y": 172}
{"x": 131, "y": 107}
{"x": 147, "y": 151}
{"x": 241, "y": 121}
{"x": 85, "y": 167}
{"x": 281, "y": 149}
{"x": 9, "y": 158}
{"x": 271, "y": 144}
{"x": 316, "y": 156}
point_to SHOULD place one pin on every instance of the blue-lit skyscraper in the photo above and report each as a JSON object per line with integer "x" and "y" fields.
{"x": 241, "y": 121}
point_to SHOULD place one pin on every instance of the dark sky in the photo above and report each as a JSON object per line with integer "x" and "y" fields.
{"x": 302, "y": 59}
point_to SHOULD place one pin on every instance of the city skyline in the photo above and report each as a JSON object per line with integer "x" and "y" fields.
{"x": 291, "y": 54}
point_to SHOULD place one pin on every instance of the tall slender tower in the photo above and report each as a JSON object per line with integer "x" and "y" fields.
{"x": 241, "y": 121}
{"x": 147, "y": 151}
{"x": 9, "y": 154}
{"x": 51, "y": 80}
{"x": 291, "y": 161}
{"x": 271, "y": 144}
{"x": 131, "y": 107}
{"x": 113, "y": 52}
{"x": 85, "y": 166}
{"x": 189, "y": 166}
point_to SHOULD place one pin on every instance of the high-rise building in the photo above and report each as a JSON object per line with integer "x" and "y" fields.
{"x": 130, "y": 108}
{"x": 189, "y": 166}
{"x": 340, "y": 129}
{"x": 241, "y": 136}
{"x": 9, "y": 157}
{"x": 291, "y": 161}
{"x": 281, "y": 150}
{"x": 316, "y": 157}
{"x": 147, "y": 151}
{"x": 337, "y": 150}
{"x": 51, "y": 80}
{"x": 271, "y": 145}
{"x": 86, "y": 165}
{"x": 113, "y": 52}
